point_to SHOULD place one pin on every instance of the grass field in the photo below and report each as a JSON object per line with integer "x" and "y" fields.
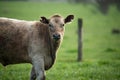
{"x": 101, "y": 48}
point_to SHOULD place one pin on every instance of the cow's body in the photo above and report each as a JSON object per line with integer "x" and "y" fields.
{"x": 14, "y": 36}
{"x": 30, "y": 42}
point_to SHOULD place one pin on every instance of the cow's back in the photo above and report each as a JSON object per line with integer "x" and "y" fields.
{"x": 13, "y": 41}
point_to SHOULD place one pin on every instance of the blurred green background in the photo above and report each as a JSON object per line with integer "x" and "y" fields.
{"x": 101, "y": 38}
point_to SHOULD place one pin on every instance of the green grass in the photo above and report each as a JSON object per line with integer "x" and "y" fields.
{"x": 101, "y": 48}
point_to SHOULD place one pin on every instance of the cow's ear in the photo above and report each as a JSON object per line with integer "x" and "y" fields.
{"x": 44, "y": 20}
{"x": 69, "y": 18}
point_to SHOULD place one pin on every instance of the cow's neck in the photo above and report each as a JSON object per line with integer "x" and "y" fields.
{"x": 53, "y": 49}
{"x": 51, "y": 45}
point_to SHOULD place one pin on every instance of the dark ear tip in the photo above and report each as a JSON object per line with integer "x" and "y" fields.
{"x": 72, "y": 16}
{"x": 42, "y": 17}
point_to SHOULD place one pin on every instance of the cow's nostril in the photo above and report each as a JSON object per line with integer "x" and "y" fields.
{"x": 56, "y": 36}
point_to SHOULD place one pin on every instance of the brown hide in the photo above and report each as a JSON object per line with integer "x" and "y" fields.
{"x": 13, "y": 43}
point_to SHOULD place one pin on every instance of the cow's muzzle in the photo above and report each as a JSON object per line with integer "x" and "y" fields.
{"x": 56, "y": 36}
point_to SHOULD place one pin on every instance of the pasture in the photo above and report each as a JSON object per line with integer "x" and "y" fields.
{"x": 101, "y": 48}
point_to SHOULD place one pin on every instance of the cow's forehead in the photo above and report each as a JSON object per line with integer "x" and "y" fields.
{"x": 57, "y": 20}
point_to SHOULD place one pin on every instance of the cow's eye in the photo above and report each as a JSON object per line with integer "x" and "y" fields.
{"x": 50, "y": 25}
{"x": 62, "y": 25}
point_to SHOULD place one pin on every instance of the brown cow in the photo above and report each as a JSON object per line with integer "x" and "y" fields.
{"x": 34, "y": 42}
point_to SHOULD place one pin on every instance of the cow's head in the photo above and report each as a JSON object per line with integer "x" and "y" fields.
{"x": 56, "y": 25}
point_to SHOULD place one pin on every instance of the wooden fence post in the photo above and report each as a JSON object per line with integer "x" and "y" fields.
{"x": 80, "y": 23}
